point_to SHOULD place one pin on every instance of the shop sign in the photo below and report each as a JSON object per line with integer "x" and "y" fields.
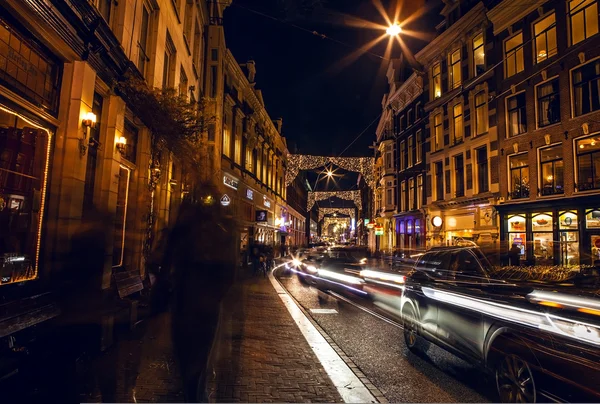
{"x": 249, "y": 194}
{"x": 261, "y": 215}
{"x": 267, "y": 202}
{"x": 230, "y": 182}
{"x": 367, "y": 221}
{"x": 379, "y": 230}
{"x": 370, "y": 225}
{"x": 225, "y": 200}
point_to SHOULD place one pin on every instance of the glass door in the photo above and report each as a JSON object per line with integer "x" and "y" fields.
{"x": 569, "y": 248}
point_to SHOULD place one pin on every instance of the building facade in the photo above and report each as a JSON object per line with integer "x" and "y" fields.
{"x": 297, "y": 200}
{"x": 462, "y": 139}
{"x": 549, "y": 131}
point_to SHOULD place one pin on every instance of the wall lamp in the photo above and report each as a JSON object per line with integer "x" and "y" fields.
{"x": 89, "y": 121}
{"x": 121, "y": 144}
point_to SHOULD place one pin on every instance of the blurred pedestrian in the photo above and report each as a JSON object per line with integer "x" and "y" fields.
{"x": 202, "y": 252}
{"x": 514, "y": 255}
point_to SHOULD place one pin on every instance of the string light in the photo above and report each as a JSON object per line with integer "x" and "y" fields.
{"x": 341, "y": 211}
{"x": 354, "y": 196}
{"x": 297, "y": 162}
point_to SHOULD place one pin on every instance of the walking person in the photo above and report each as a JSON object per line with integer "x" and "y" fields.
{"x": 514, "y": 255}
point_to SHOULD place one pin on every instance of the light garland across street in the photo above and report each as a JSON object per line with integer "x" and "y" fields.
{"x": 341, "y": 211}
{"x": 297, "y": 162}
{"x": 354, "y": 196}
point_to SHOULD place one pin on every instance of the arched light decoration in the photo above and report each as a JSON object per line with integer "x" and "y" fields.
{"x": 353, "y": 196}
{"x": 342, "y": 211}
{"x": 297, "y": 162}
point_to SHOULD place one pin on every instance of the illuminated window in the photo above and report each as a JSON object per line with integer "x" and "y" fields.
{"x": 411, "y": 151}
{"x": 513, "y": 55}
{"x": 457, "y": 124}
{"x": 419, "y": 191}
{"x": 419, "y": 146}
{"x": 478, "y": 55}
{"x": 519, "y": 176}
{"x": 403, "y": 196}
{"x": 545, "y": 38}
{"x": 411, "y": 194}
{"x": 249, "y": 159}
{"x": 583, "y": 15}
{"x": 226, "y": 141}
{"x": 121, "y": 216}
{"x": 436, "y": 79}
{"x": 169, "y": 63}
{"x": 588, "y": 163}
{"x": 482, "y": 169}
{"x": 586, "y": 88}
{"x": 437, "y": 132}
{"x": 481, "y": 116}
{"x": 551, "y": 162}
{"x": 454, "y": 70}
{"x": 548, "y": 103}
{"x": 238, "y": 144}
{"x": 143, "y": 44}
{"x": 402, "y": 155}
{"x": 517, "y": 115}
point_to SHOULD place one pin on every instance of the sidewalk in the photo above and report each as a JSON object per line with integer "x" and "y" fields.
{"x": 261, "y": 356}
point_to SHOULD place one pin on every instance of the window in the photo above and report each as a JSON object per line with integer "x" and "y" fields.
{"x": 214, "y": 54}
{"x": 388, "y": 196}
{"x": 519, "y": 176}
{"x": 436, "y": 79}
{"x": 517, "y": 115}
{"x": 418, "y": 113}
{"x": 548, "y": 103}
{"x": 586, "y": 88}
{"x": 588, "y": 163}
{"x": 409, "y": 117}
{"x": 169, "y": 63}
{"x": 103, "y": 7}
{"x": 454, "y": 69}
{"x": 143, "y": 40}
{"x": 478, "y": 55}
{"x": 545, "y": 38}
{"x": 196, "y": 49}
{"x": 249, "y": 159}
{"x": 482, "y": 169}
{"x": 265, "y": 166}
{"x": 551, "y": 161}
{"x": 419, "y": 147}
{"x": 459, "y": 175}
{"x": 419, "y": 191}
{"x": 189, "y": 16}
{"x": 513, "y": 55}
{"x": 411, "y": 150}
{"x": 131, "y": 136}
{"x": 238, "y": 144}
{"x": 402, "y": 125}
{"x": 481, "y": 116}
{"x": 402, "y": 155}
{"x": 226, "y": 141}
{"x": 437, "y": 132}
{"x": 213, "y": 81}
{"x": 457, "y": 124}
{"x": 388, "y": 157}
{"x": 411, "y": 194}
{"x": 403, "y": 197}
{"x": 183, "y": 83}
{"x": 439, "y": 181}
{"x": 584, "y": 19}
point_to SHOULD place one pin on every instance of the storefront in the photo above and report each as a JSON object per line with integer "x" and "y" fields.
{"x": 410, "y": 232}
{"x": 558, "y": 233}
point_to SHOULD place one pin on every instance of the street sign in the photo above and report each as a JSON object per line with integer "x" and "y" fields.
{"x": 225, "y": 200}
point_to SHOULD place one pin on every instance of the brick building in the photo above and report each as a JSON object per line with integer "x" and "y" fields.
{"x": 548, "y": 106}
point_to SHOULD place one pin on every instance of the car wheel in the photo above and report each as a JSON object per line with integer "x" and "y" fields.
{"x": 514, "y": 380}
{"x": 413, "y": 341}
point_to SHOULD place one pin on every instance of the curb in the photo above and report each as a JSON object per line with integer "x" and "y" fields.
{"x": 374, "y": 391}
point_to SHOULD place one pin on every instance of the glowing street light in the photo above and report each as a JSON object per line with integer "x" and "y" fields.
{"x": 330, "y": 174}
{"x": 394, "y": 29}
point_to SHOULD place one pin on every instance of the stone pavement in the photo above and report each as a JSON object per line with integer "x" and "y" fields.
{"x": 262, "y": 355}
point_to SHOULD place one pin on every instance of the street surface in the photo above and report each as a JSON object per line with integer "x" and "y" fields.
{"x": 377, "y": 347}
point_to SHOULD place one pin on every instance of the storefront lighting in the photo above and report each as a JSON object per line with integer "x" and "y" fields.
{"x": 121, "y": 145}
{"x": 89, "y": 120}
{"x": 436, "y": 221}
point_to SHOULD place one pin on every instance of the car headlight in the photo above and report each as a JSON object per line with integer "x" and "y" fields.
{"x": 296, "y": 262}
{"x": 312, "y": 269}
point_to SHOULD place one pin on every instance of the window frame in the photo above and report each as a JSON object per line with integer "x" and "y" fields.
{"x": 509, "y": 110}
{"x": 480, "y": 165}
{"x": 572, "y": 86}
{"x": 459, "y": 175}
{"x": 402, "y": 156}
{"x": 411, "y": 193}
{"x": 419, "y": 191}
{"x": 536, "y": 100}
{"x": 551, "y": 27}
{"x": 577, "y": 158}
{"x": 403, "y": 196}
{"x": 410, "y": 148}
{"x": 480, "y": 34}
{"x": 485, "y": 112}
{"x": 439, "y": 180}
{"x": 520, "y": 168}
{"x": 452, "y": 83}
{"x": 552, "y": 162}
{"x": 508, "y": 53}
{"x": 584, "y": 11}
{"x": 454, "y": 125}
{"x": 419, "y": 146}
{"x": 436, "y": 79}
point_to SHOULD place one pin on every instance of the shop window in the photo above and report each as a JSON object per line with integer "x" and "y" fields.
{"x": 454, "y": 70}
{"x": 439, "y": 181}
{"x": 481, "y": 116}
{"x": 419, "y": 152}
{"x": 457, "y": 124}
{"x": 517, "y": 115}
{"x": 437, "y": 132}
{"x": 459, "y": 175}
{"x": 545, "y": 38}
{"x": 513, "y": 55}
{"x": 592, "y": 219}
{"x": 24, "y": 152}
{"x": 569, "y": 238}
{"x": 519, "y": 176}
{"x": 588, "y": 163}
{"x": 436, "y": 80}
{"x": 409, "y": 226}
{"x": 586, "y": 88}
{"x": 548, "y": 103}
{"x": 543, "y": 240}
{"x": 478, "y": 55}
{"x": 583, "y": 15}
{"x": 551, "y": 162}
{"x": 482, "y": 169}
{"x": 516, "y": 232}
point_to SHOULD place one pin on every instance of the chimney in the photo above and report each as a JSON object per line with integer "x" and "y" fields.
{"x": 278, "y": 124}
{"x": 251, "y": 66}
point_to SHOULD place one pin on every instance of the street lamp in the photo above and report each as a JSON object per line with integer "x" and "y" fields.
{"x": 394, "y": 29}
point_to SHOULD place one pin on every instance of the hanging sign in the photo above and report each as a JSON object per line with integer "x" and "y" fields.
{"x": 261, "y": 215}
{"x": 370, "y": 225}
{"x": 267, "y": 202}
{"x": 230, "y": 182}
{"x": 225, "y": 200}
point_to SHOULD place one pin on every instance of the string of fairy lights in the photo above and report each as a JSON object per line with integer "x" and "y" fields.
{"x": 298, "y": 162}
{"x": 354, "y": 196}
{"x": 337, "y": 211}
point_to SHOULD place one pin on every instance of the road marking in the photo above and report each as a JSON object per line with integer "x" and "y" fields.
{"x": 324, "y": 311}
{"x": 351, "y": 389}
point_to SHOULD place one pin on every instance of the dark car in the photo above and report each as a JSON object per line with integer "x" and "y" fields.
{"x": 336, "y": 270}
{"x": 537, "y": 340}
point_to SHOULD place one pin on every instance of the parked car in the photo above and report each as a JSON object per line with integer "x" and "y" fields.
{"x": 537, "y": 340}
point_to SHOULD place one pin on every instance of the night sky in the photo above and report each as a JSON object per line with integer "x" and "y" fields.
{"x": 325, "y": 103}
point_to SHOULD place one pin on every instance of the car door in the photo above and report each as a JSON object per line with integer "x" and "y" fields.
{"x": 460, "y": 292}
